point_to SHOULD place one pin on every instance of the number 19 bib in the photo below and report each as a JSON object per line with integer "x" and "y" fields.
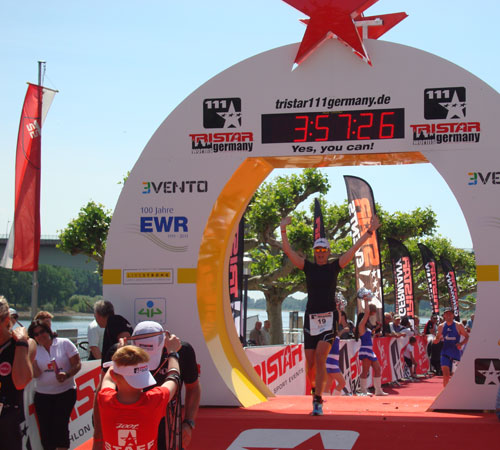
{"x": 321, "y": 322}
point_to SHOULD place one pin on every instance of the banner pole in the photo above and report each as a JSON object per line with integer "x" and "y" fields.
{"x": 34, "y": 285}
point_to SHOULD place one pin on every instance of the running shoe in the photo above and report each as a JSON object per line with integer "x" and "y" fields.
{"x": 317, "y": 409}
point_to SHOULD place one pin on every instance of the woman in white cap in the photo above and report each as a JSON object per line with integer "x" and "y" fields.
{"x": 319, "y": 320}
{"x": 129, "y": 416}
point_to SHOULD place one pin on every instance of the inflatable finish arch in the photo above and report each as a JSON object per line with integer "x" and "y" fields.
{"x": 168, "y": 246}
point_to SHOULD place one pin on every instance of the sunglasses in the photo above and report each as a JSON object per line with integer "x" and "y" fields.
{"x": 39, "y": 333}
{"x": 320, "y": 250}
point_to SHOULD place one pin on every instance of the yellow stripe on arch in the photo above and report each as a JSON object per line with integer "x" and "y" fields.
{"x": 212, "y": 281}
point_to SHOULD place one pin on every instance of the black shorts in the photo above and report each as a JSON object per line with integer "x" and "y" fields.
{"x": 311, "y": 342}
{"x": 408, "y": 362}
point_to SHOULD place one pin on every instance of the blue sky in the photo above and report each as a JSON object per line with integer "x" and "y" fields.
{"x": 122, "y": 67}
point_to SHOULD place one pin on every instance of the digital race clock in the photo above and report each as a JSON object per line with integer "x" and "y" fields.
{"x": 333, "y": 126}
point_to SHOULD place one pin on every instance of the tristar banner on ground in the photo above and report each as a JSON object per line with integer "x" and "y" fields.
{"x": 223, "y": 140}
{"x": 403, "y": 278}
{"x": 282, "y": 367}
{"x": 430, "y": 267}
{"x": 367, "y": 258}
{"x": 23, "y": 247}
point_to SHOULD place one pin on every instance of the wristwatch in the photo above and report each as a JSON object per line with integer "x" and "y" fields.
{"x": 174, "y": 355}
{"x": 189, "y": 422}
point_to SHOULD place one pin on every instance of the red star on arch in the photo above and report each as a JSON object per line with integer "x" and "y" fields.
{"x": 313, "y": 443}
{"x": 340, "y": 19}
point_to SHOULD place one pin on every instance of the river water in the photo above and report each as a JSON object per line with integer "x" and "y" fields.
{"x": 81, "y": 322}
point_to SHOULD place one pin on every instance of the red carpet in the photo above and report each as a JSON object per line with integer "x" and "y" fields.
{"x": 399, "y": 421}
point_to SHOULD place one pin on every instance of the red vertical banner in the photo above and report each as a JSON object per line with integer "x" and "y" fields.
{"x": 23, "y": 246}
{"x": 403, "y": 278}
{"x": 367, "y": 258}
{"x": 451, "y": 283}
{"x": 431, "y": 274}
{"x": 28, "y": 165}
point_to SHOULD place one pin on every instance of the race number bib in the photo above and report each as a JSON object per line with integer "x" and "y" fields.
{"x": 319, "y": 323}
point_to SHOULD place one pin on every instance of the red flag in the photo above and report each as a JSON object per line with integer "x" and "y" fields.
{"x": 23, "y": 247}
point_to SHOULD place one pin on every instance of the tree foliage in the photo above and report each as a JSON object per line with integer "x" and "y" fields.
{"x": 87, "y": 233}
{"x": 275, "y": 276}
{"x": 56, "y": 286}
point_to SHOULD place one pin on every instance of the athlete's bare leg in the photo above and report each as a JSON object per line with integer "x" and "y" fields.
{"x": 310, "y": 366}
{"x": 322, "y": 350}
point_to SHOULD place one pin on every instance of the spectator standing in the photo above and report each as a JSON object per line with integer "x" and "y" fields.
{"x": 44, "y": 316}
{"x": 95, "y": 336}
{"x": 130, "y": 417}
{"x": 14, "y": 318}
{"x": 256, "y": 337}
{"x": 409, "y": 356}
{"x": 432, "y": 325}
{"x": 406, "y": 328}
{"x": 154, "y": 343}
{"x": 386, "y": 328}
{"x": 115, "y": 326}
{"x": 346, "y": 326}
{"x": 56, "y": 363}
{"x": 17, "y": 353}
{"x": 266, "y": 333}
{"x": 395, "y": 326}
{"x": 416, "y": 326}
{"x": 470, "y": 322}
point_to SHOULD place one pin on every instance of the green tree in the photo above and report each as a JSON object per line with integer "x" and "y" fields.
{"x": 56, "y": 286}
{"x": 275, "y": 276}
{"x": 87, "y": 233}
{"x": 16, "y": 287}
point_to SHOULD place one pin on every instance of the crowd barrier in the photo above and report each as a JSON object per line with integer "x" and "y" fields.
{"x": 282, "y": 367}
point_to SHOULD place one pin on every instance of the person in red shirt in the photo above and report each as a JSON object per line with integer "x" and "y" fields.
{"x": 129, "y": 416}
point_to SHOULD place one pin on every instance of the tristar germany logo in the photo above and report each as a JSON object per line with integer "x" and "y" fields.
{"x": 276, "y": 439}
{"x": 225, "y": 115}
{"x": 447, "y": 103}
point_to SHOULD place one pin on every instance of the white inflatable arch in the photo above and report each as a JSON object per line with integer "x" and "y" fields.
{"x": 169, "y": 242}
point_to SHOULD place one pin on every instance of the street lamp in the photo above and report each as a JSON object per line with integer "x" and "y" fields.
{"x": 247, "y": 261}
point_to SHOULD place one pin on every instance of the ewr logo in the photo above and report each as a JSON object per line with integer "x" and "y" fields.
{"x": 284, "y": 439}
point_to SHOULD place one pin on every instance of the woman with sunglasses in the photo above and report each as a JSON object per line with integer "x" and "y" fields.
{"x": 321, "y": 315}
{"x": 56, "y": 363}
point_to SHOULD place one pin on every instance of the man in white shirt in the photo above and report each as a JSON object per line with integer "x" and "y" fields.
{"x": 95, "y": 335}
